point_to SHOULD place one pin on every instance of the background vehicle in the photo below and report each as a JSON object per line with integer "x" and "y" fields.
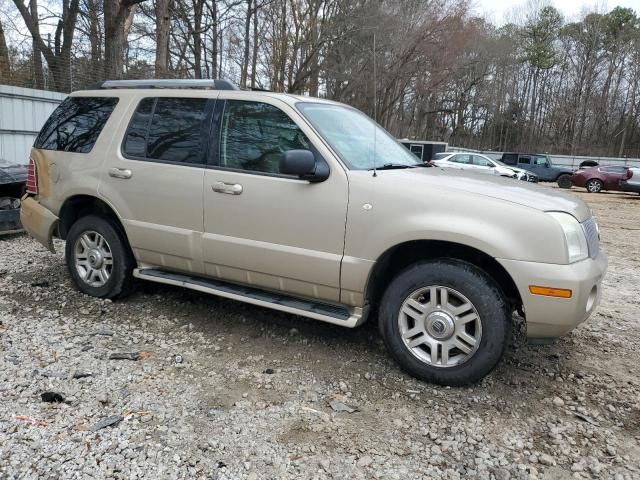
{"x": 541, "y": 165}
{"x": 597, "y": 179}
{"x": 284, "y": 202}
{"x": 12, "y": 185}
{"x": 482, "y": 164}
{"x": 632, "y": 182}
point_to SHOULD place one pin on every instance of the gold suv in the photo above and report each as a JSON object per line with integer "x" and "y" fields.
{"x": 307, "y": 206}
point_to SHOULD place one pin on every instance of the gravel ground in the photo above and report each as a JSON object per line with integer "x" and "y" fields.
{"x": 216, "y": 389}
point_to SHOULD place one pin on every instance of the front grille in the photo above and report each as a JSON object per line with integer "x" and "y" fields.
{"x": 593, "y": 236}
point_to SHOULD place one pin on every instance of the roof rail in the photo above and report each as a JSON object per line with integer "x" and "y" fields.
{"x": 169, "y": 83}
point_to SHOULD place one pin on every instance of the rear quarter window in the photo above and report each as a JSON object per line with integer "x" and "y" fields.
{"x": 76, "y": 124}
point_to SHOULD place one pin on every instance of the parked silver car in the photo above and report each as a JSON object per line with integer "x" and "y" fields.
{"x": 632, "y": 183}
{"x": 481, "y": 164}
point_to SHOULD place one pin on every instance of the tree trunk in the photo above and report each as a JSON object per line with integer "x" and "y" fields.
{"x": 245, "y": 57}
{"x": 162, "y": 38}
{"x": 117, "y": 17}
{"x": 5, "y": 66}
{"x": 254, "y": 58}
{"x": 197, "y": 37}
{"x": 38, "y": 72}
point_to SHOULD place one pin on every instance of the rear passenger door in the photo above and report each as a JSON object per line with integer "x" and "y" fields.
{"x": 263, "y": 228}
{"x": 155, "y": 181}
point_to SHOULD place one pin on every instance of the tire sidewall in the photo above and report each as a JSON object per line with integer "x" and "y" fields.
{"x": 564, "y": 181}
{"x": 596, "y": 182}
{"x": 479, "y": 289}
{"x": 119, "y": 251}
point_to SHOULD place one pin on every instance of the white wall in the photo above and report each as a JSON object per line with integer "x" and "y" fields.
{"x": 23, "y": 111}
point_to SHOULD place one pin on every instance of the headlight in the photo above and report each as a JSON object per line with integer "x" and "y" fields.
{"x": 577, "y": 248}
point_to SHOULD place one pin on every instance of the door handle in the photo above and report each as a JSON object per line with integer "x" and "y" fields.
{"x": 123, "y": 173}
{"x": 228, "y": 188}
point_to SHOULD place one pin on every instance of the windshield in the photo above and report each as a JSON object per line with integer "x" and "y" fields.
{"x": 351, "y": 135}
{"x": 502, "y": 163}
{"x": 440, "y": 156}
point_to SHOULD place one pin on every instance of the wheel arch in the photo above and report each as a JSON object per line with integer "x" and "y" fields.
{"x": 78, "y": 206}
{"x": 399, "y": 257}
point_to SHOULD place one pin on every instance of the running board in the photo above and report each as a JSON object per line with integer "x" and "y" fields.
{"x": 338, "y": 315}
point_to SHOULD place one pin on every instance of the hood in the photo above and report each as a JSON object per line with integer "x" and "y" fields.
{"x": 12, "y": 172}
{"x": 521, "y": 193}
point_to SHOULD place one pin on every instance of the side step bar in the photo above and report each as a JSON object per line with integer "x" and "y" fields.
{"x": 343, "y": 316}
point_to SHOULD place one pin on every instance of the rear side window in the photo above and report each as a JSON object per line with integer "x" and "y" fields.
{"x": 509, "y": 158}
{"x": 169, "y": 129}
{"x": 614, "y": 169}
{"x": 76, "y": 124}
{"x": 525, "y": 160}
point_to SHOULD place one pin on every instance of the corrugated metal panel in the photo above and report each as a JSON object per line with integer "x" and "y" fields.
{"x": 23, "y": 111}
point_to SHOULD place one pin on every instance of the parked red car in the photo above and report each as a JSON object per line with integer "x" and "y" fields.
{"x": 597, "y": 179}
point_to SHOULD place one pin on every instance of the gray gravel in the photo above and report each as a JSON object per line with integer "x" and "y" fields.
{"x": 171, "y": 384}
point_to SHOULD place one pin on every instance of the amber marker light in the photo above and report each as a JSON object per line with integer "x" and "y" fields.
{"x": 550, "y": 292}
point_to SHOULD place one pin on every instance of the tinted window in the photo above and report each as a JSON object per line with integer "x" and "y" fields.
{"x": 76, "y": 124}
{"x": 135, "y": 143}
{"x": 178, "y": 130}
{"x": 525, "y": 160}
{"x": 254, "y": 135}
{"x": 509, "y": 158}
{"x": 614, "y": 169}
{"x": 169, "y": 129}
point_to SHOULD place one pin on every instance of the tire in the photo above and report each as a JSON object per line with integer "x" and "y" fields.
{"x": 110, "y": 260}
{"x": 594, "y": 185}
{"x": 491, "y": 329}
{"x": 564, "y": 180}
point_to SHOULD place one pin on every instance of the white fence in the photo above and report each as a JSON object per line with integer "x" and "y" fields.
{"x": 562, "y": 160}
{"x": 23, "y": 111}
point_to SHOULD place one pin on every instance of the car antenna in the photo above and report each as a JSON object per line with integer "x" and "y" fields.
{"x": 375, "y": 106}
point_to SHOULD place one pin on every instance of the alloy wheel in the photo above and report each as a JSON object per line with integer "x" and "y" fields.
{"x": 93, "y": 259}
{"x": 440, "y": 326}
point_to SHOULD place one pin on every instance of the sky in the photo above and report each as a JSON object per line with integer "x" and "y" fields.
{"x": 502, "y": 11}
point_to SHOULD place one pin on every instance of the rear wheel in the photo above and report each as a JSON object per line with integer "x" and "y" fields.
{"x": 594, "y": 185}
{"x": 98, "y": 258}
{"x": 445, "y": 321}
{"x": 564, "y": 180}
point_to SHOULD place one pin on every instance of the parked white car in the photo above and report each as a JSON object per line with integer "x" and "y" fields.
{"x": 481, "y": 164}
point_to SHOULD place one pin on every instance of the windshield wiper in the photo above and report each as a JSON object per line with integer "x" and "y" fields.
{"x": 393, "y": 166}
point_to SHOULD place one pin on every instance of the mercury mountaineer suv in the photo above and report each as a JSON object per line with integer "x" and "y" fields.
{"x": 307, "y": 206}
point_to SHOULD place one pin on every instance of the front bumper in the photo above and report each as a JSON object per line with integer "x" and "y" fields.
{"x": 551, "y": 317}
{"x": 38, "y": 221}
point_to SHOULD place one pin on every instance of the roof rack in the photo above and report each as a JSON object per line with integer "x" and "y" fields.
{"x": 169, "y": 83}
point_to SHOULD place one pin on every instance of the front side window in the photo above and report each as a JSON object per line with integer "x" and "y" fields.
{"x": 254, "y": 136}
{"x": 358, "y": 140}
{"x": 540, "y": 160}
{"x": 76, "y": 124}
{"x": 169, "y": 129}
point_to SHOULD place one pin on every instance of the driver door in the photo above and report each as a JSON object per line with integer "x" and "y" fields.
{"x": 263, "y": 228}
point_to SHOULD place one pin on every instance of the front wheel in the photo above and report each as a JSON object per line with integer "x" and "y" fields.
{"x": 98, "y": 258}
{"x": 445, "y": 322}
{"x": 564, "y": 181}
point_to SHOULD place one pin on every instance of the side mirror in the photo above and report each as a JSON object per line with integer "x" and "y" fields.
{"x": 303, "y": 164}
